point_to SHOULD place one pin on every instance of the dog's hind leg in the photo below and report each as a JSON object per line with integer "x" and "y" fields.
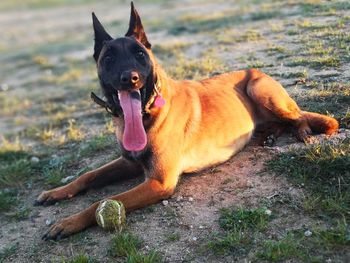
{"x": 116, "y": 170}
{"x": 274, "y": 104}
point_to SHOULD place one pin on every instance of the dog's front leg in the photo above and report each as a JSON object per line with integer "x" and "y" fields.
{"x": 115, "y": 170}
{"x": 149, "y": 192}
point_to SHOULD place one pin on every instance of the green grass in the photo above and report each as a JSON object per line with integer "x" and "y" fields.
{"x": 128, "y": 246}
{"x": 244, "y": 219}
{"x": 193, "y": 23}
{"x": 80, "y": 258}
{"x": 240, "y": 227}
{"x": 7, "y": 252}
{"x": 295, "y": 245}
{"x": 328, "y": 98}
{"x": 315, "y": 62}
{"x": 97, "y": 143}
{"x": 7, "y": 200}
{"x": 195, "y": 68}
{"x": 172, "y": 237}
{"x": 323, "y": 169}
{"x": 283, "y": 249}
{"x": 12, "y": 150}
{"x": 15, "y": 173}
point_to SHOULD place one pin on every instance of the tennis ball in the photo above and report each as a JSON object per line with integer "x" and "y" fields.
{"x": 110, "y": 215}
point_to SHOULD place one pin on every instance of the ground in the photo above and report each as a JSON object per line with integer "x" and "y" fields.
{"x": 289, "y": 202}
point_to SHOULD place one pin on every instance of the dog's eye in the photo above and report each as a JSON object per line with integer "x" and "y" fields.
{"x": 140, "y": 54}
{"x": 108, "y": 60}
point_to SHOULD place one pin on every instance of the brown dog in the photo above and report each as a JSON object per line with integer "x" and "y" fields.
{"x": 167, "y": 127}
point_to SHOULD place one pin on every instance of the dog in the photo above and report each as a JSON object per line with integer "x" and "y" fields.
{"x": 166, "y": 128}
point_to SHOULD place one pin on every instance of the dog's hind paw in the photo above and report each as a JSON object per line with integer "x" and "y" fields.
{"x": 270, "y": 140}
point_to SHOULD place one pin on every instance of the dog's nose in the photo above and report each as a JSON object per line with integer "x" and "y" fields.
{"x": 129, "y": 77}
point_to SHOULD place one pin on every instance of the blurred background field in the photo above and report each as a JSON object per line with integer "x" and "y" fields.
{"x": 51, "y": 132}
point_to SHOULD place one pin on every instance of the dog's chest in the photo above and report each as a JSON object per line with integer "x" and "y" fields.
{"x": 207, "y": 155}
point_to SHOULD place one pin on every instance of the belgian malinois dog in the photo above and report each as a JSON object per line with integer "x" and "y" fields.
{"x": 166, "y": 127}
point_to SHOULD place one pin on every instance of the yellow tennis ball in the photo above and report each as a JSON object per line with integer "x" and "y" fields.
{"x": 110, "y": 215}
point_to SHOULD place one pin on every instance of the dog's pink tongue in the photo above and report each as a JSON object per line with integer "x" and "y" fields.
{"x": 134, "y": 137}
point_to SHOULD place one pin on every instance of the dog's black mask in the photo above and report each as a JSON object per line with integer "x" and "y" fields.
{"x": 123, "y": 63}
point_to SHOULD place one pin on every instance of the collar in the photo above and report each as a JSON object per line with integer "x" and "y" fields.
{"x": 156, "y": 98}
{"x": 155, "y": 94}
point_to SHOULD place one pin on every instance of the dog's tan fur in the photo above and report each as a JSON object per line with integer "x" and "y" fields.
{"x": 201, "y": 124}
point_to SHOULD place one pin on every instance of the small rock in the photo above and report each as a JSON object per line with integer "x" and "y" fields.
{"x": 165, "y": 202}
{"x": 190, "y": 199}
{"x": 201, "y": 227}
{"x": 4, "y": 87}
{"x": 48, "y": 72}
{"x": 67, "y": 179}
{"x": 34, "y": 159}
{"x": 194, "y": 238}
{"x": 307, "y": 233}
{"x": 49, "y": 222}
{"x": 268, "y": 212}
{"x": 179, "y": 198}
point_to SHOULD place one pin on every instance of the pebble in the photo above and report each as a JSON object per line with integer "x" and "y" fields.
{"x": 67, "y": 179}
{"x": 34, "y": 159}
{"x": 4, "y": 87}
{"x": 307, "y": 233}
{"x": 201, "y": 227}
{"x": 190, "y": 199}
{"x": 165, "y": 202}
{"x": 48, "y": 222}
{"x": 179, "y": 198}
{"x": 268, "y": 212}
{"x": 194, "y": 238}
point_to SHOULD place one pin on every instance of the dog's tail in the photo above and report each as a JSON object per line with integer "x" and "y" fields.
{"x": 321, "y": 123}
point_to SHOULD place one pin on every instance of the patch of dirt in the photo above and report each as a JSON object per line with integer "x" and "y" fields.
{"x": 191, "y": 214}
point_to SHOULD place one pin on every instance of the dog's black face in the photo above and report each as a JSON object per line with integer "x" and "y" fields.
{"x": 124, "y": 63}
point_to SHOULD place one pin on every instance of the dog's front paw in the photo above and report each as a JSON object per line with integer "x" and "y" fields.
{"x": 52, "y": 196}
{"x": 64, "y": 228}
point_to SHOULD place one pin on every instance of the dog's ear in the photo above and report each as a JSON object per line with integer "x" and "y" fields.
{"x": 100, "y": 36}
{"x": 136, "y": 29}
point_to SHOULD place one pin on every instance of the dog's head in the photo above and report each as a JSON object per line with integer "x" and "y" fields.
{"x": 123, "y": 63}
{"x": 126, "y": 73}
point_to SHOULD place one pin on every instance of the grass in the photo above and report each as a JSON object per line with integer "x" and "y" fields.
{"x": 128, "y": 246}
{"x": 323, "y": 169}
{"x": 15, "y": 173}
{"x": 12, "y": 150}
{"x": 195, "y": 68}
{"x": 173, "y": 237}
{"x": 296, "y": 245}
{"x": 7, "y": 252}
{"x": 74, "y": 132}
{"x": 240, "y": 226}
{"x": 327, "y": 97}
{"x": 97, "y": 143}
{"x": 80, "y": 258}
{"x": 316, "y": 62}
{"x": 7, "y": 200}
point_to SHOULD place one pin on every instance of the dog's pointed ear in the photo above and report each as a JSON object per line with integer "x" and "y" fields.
{"x": 100, "y": 36}
{"x": 136, "y": 29}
